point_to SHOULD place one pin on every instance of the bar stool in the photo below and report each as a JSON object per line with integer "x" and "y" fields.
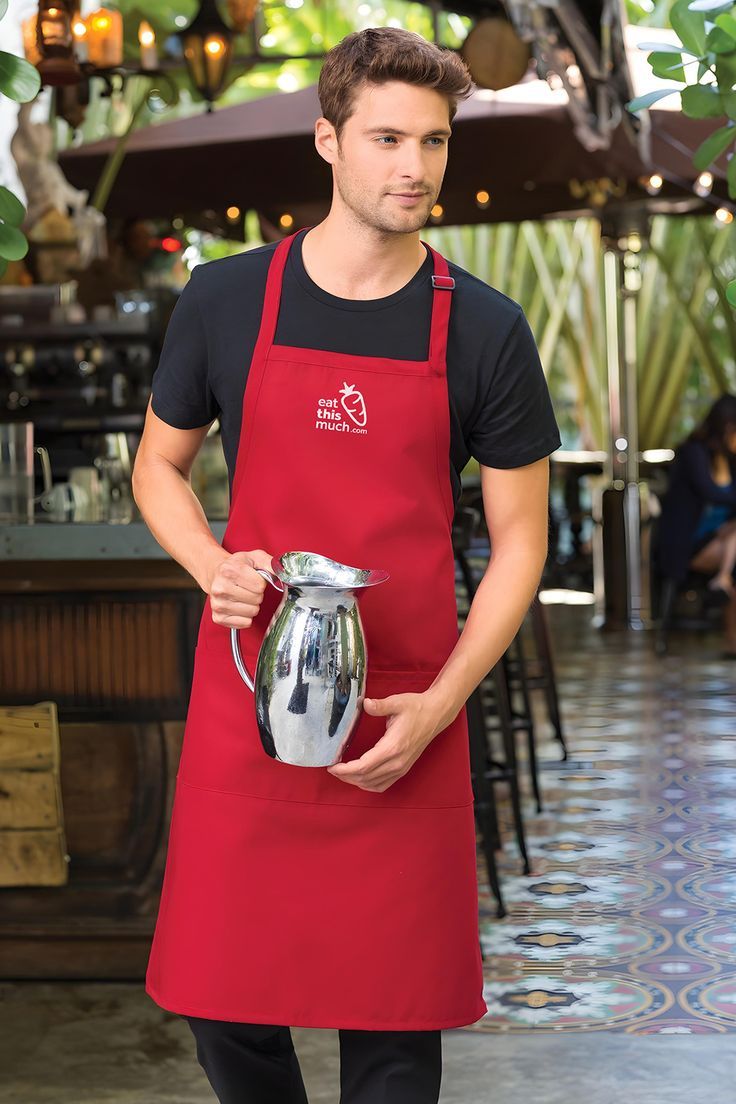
{"x": 541, "y": 671}
{"x": 484, "y": 797}
{"x": 522, "y": 718}
{"x": 490, "y": 700}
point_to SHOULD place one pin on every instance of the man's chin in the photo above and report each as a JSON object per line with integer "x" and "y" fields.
{"x": 400, "y": 222}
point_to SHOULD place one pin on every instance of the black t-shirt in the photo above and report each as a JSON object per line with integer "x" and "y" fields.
{"x": 500, "y": 407}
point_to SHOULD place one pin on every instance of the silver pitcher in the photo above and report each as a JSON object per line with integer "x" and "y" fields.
{"x": 310, "y": 674}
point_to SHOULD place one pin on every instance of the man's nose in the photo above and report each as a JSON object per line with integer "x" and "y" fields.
{"x": 412, "y": 163}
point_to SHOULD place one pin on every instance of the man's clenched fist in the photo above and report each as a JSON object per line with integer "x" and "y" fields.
{"x": 236, "y": 589}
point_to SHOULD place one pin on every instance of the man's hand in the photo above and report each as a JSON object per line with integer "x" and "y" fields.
{"x": 413, "y": 722}
{"x": 236, "y": 589}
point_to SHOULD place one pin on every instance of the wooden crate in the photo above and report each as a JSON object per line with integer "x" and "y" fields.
{"x": 32, "y": 839}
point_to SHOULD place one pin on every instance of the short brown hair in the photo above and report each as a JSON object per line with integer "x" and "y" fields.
{"x": 380, "y": 54}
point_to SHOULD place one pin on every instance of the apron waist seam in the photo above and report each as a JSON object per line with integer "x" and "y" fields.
{"x": 334, "y": 804}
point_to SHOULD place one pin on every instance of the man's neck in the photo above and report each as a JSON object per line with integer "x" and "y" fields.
{"x": 353, "y": 261}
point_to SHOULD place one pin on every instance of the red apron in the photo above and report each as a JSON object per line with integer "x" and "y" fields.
{"x": 289, "y": 896}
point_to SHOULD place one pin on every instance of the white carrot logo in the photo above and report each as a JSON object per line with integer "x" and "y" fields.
{"x": 353, "y": 403}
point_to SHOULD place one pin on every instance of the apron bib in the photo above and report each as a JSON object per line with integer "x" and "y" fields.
{"x": 291, "y": 897}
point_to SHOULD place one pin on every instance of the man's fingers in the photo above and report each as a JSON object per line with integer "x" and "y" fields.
{"x": 224, "y": 612}
{"x": 232, "y": 622}
{"x": 382, "y": 707}
{"x": 261, "y": 559}
{"x": 380, "y": 756}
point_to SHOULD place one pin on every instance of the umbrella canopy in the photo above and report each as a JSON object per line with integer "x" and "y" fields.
{"x": 518, "y": 144}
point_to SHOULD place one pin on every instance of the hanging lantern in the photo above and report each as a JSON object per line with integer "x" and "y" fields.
{"x": 494, "y": 53}
{"x": 81, "y": 42}
{"x": 147, "y": 41}
{"x": 30, "y": 46}
{"x": 55, "y": 43}
{"x": 105, "y": 38}
{"x": 207, "y": 46}
{"x": 241, "y": 14}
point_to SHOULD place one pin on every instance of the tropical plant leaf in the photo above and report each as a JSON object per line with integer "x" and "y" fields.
{"x": 713, "y": 146}
{"x": 13, "y": 244}
{"x": 727, "y": 23}
{"x": 731, "y": 177}
{"x": 725, "y": 66}
{"x": 731, "y": 292}
{"x": 664, "y": 48}
{"x": 667, "y": 66}
{"x": 649, "y": 98}
{"x": 689, "y": 26}
{"x": 702, "y": 101}
{"x": 709, "y": 5}
{"x": 719, "y": 42}
{"x": 19, "y": 80}
{"x": 12, "y": 210}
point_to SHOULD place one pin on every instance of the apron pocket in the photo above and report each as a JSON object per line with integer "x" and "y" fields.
{"x": 441, "y": 774}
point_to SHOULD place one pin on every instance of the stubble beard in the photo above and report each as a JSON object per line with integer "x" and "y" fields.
{"x": 373, "y": 212}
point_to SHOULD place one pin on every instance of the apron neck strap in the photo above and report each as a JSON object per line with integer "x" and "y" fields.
{"x": 272, "y": 300}
{"x": 442, "y": 285}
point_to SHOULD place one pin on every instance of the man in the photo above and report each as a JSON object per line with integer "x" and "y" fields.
{"x": 353, "y": 373}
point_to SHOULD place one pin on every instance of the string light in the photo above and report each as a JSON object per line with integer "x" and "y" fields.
{"x": 286, "y": 221}
{"x": 482, "y": 198}
{"x": 653, "y": 183}
{"x": 704, "y": 184}
{"x": 437, "y": 212}
{"x": 724, "y": 215}
{"x": 233, "y": 213}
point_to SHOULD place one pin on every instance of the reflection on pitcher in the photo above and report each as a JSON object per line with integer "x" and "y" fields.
{"x": 311, "y": 670}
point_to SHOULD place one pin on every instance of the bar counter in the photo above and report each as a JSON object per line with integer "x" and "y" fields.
{"x": 99, "y": 620}
{"x": 84, "y": 541}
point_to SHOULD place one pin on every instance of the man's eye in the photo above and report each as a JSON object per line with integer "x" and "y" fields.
{"x": 387, "y": 138}
{"x": 436, "y": 141}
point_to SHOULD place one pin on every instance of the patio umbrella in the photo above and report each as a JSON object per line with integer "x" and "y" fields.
{"x": 518, "y": 144}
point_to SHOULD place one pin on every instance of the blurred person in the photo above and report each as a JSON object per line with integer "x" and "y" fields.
{"x": 697, "y": 530}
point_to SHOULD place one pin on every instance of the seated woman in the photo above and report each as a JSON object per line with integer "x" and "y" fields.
{"x": 697, "y": 529}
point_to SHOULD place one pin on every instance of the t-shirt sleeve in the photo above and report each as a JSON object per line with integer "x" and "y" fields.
{"x": 515, "y": 424}
{"x": 180, "y": 388}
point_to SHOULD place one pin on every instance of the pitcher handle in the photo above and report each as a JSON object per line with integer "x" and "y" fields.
{"x": 235, "y": 643}
{"x": 43, "y": 455}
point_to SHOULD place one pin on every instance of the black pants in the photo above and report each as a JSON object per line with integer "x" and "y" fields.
{"x": 257, "y": 1064}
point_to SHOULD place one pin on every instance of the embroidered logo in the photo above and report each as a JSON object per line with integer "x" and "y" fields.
{"x": 353, "y": 404}
{"x": 331, "y": 412}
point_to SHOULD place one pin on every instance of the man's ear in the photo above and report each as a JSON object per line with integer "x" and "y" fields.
{"x": 325, "y": 140}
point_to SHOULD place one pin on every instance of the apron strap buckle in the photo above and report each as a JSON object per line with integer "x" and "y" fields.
{"x": 447, "y": 283}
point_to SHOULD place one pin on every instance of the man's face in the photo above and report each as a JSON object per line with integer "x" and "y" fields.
{"x": 392, "y": 154}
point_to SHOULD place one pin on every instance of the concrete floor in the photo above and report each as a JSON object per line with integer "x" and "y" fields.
{"x": 108, "y": 1043}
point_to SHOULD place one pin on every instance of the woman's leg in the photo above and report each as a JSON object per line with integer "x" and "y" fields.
{"x": 248, "y": 1063}
{"x": 718, "y": 558}
{"x": 390, "y": 1067}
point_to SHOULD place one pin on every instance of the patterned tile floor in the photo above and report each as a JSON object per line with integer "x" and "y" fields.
{"x": 627, "y": 921}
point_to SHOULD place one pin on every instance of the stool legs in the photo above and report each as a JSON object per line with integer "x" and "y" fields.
{"x": 484, "y": 803}
{"x": 511, "y": 772}
{"x": 540, "y": 629}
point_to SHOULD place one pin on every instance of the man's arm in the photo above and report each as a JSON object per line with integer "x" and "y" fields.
{"x": 163, "y": 492}
{"x": 515, "y": 502}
